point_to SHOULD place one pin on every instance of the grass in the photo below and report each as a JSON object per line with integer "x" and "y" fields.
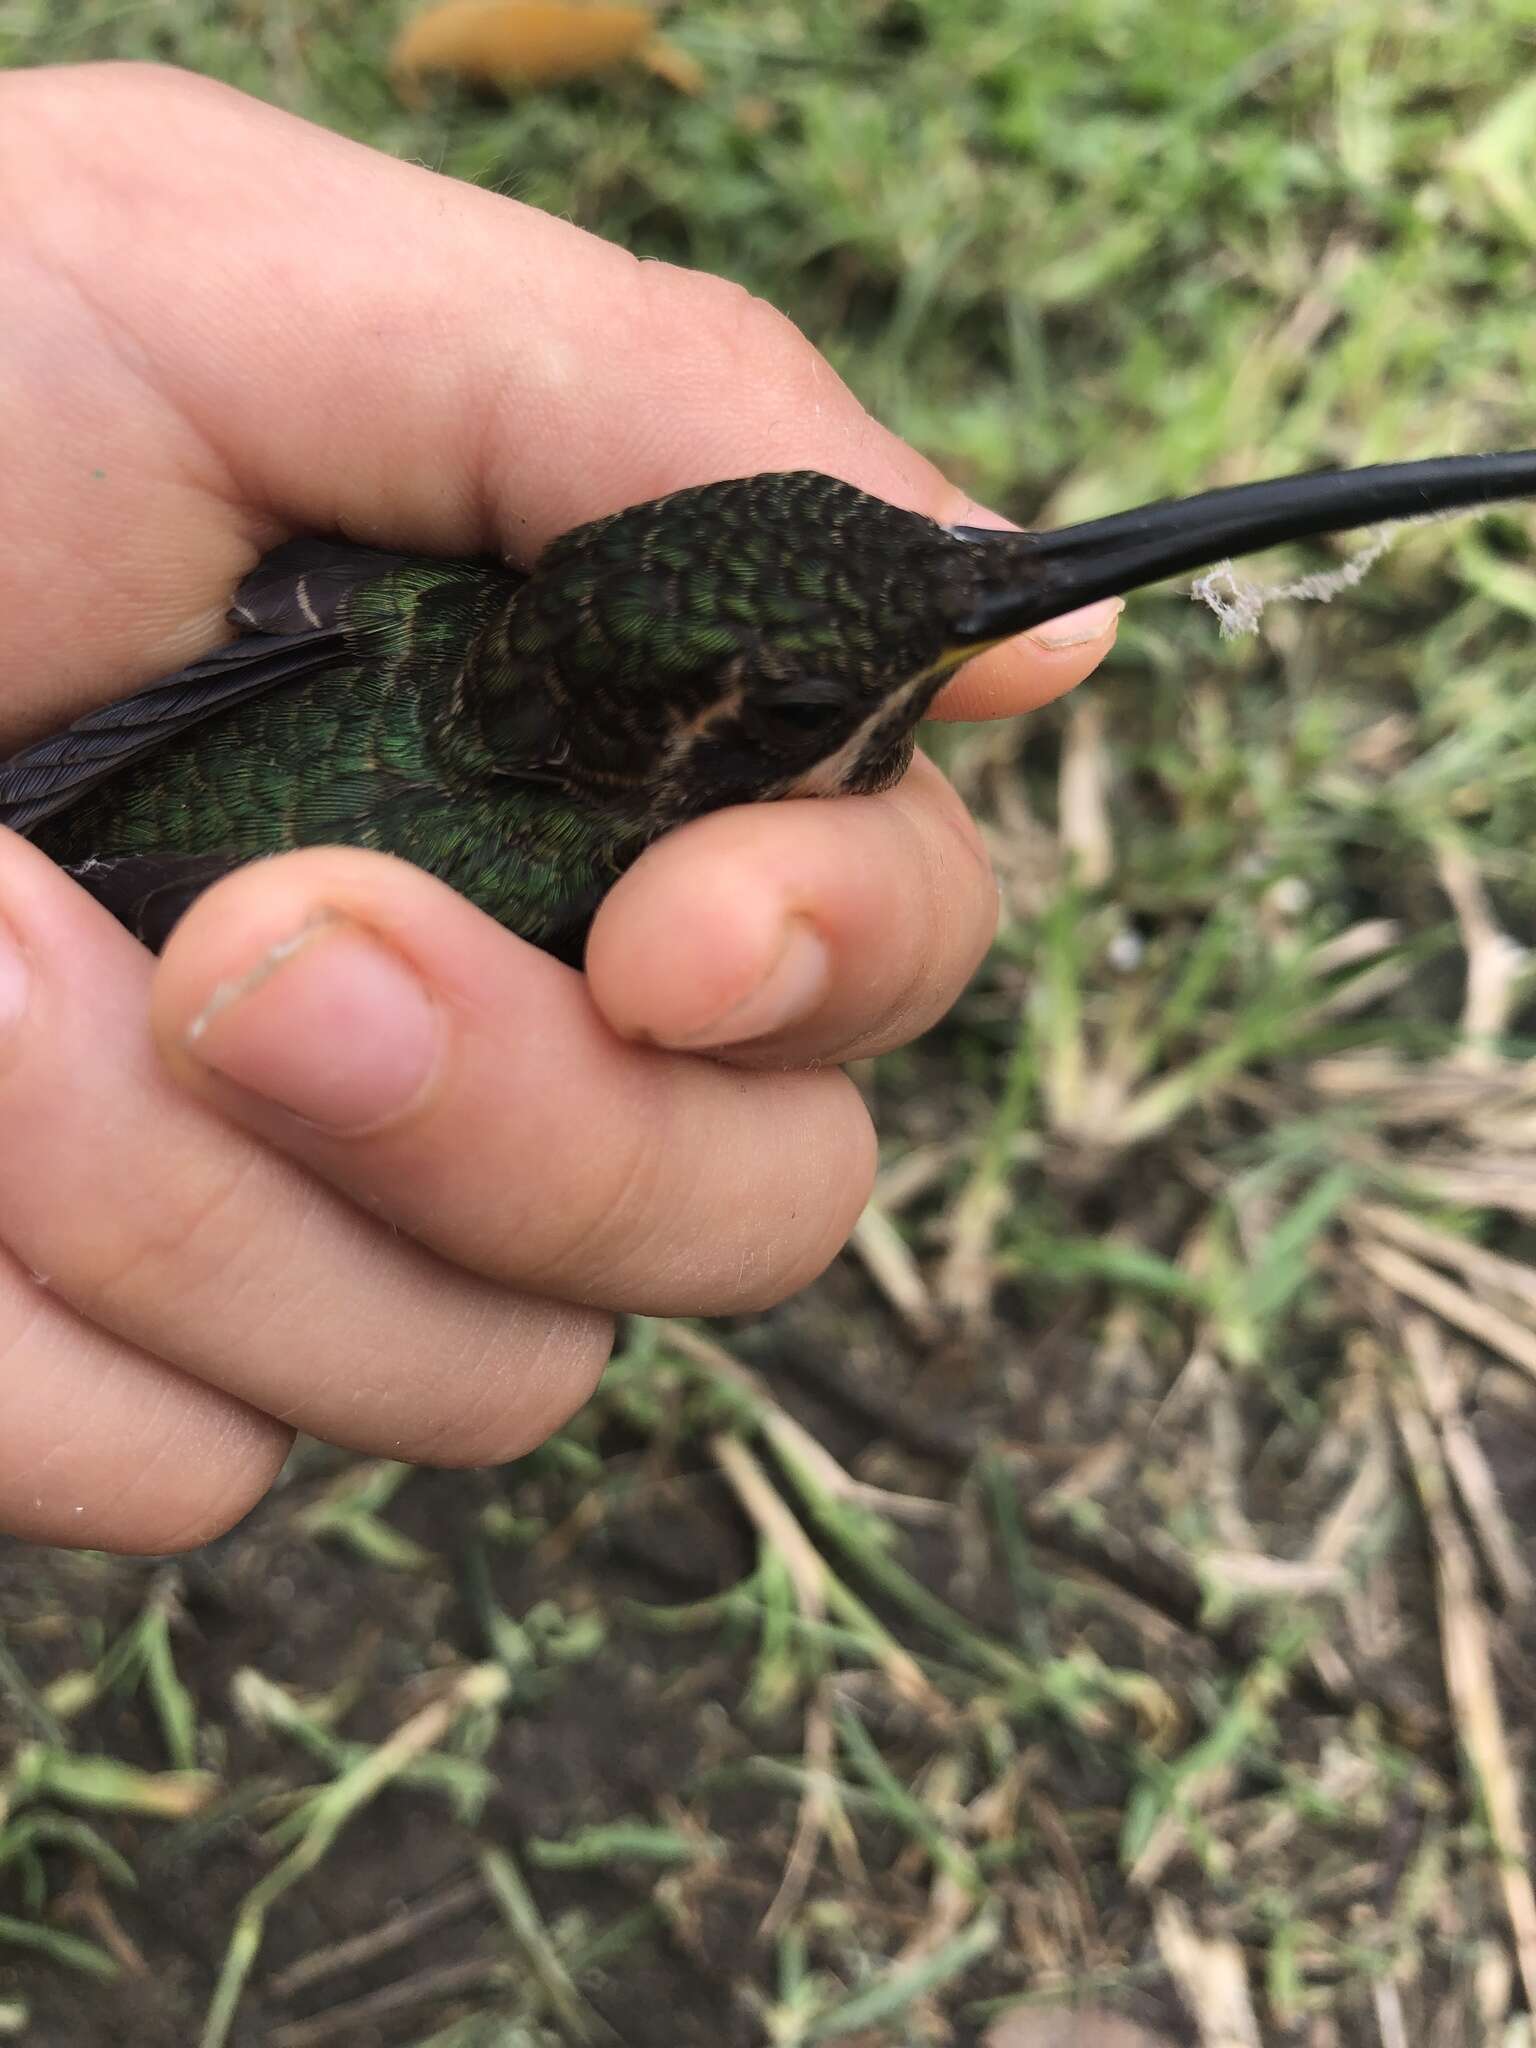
{"x": 1111, "y": 1586}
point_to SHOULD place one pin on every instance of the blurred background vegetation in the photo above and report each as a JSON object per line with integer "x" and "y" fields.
{"x": 1108, "y": 1593}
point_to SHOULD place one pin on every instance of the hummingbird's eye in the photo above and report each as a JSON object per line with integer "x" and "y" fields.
{"x": 808, "y": 708}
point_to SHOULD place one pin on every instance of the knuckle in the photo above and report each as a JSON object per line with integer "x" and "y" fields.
{"x": 185, "y": 1240}
{"x": 669, "y": 1224}
{"x": 23, "y": 1308}
{"x": 132, "y": 73}
{"x": 608, "y": 1214}
{"x": 96, "y": 103}
{"x": 736, "y": 335}
{"x": 132, "y": 79}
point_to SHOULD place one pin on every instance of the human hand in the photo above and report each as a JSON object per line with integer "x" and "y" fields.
{"x": 351, "y": 1158}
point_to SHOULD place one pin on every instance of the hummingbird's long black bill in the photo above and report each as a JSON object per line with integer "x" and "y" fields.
{"x": 1040, "y": 575}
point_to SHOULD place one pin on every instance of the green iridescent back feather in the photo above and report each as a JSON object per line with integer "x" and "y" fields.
{"x": 373, "y": 750}
{"x": 522, "y": 737}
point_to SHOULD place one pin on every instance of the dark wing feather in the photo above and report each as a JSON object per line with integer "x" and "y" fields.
{"x": 49, "y": 776}
{"x": 301, "y": 586}
{"x": 291, "y": 609}
{"x": 148, "y": 892}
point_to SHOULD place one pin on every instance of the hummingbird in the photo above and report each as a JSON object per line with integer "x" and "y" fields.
{"x": 525, "y": 734}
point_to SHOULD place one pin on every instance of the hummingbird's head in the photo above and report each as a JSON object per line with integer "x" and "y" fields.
{"x": 782, "y": 635}
{"x": 772, "y": 636}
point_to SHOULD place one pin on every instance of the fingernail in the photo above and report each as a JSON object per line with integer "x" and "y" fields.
{"x": 1076, "y": 629}
{"x": 330, "y": 1024}
{"x": 13, "y": 980}
{"x": 792, "y": 989}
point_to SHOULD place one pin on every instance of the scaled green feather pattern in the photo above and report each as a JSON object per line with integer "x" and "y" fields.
{"x": 525, "y": 736}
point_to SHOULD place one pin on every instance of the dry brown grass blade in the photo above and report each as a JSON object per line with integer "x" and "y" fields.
{"x": 1025, "y": 853}
{"x": 792, "y": 1439}
{"x": 900, "y": 1184}
{"x": 775, "y": 1524}
{"x": 1253, "y": 1571}
{"x": 1362, "y": 990}
{"x": 358, "y": 2018}
{"x": 1410, "y": 1277}
{"x": 1489, "y": 1180}
{"x": 887, "y": 1258}
{"x": 1281, "y": 347}
{"x": 1390, "y": 2023}
{"x": 1495, "y": 963}
{"x": 1366, "y": 1495}
{"x": 1226, "y": 1461}
{"x": 1435, "y": 1369}
{"x": 402, "y": 1928}
{"x": 1093, "y": 1473}
{"x": 1057, "y": 1837}
{"x": 1491, "y": 1272}
{"x": 1208, "y": 1969}
{"x": 820, "y": 1815}
{"x": 950, "y": 1905}
{"x": 1366, "y": 941}
{"x": 1356, "y": 944}
{"x": 86, "y": 1905}
{"x": 1481, "y": 1104}
{"x": 808, "y": 1569}
{"x": 1083, "y": 795}
{"x": 1364, "y": 1450}
{"x": 968, "y": 1274}
{"x": 1466, "y": 1654}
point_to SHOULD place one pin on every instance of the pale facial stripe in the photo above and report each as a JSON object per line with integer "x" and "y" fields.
{"x": 827, "y": 777}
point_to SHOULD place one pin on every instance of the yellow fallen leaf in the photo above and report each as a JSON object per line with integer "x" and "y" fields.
{"x": 512, "y": 43}
{"x": 672, "y": 66}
